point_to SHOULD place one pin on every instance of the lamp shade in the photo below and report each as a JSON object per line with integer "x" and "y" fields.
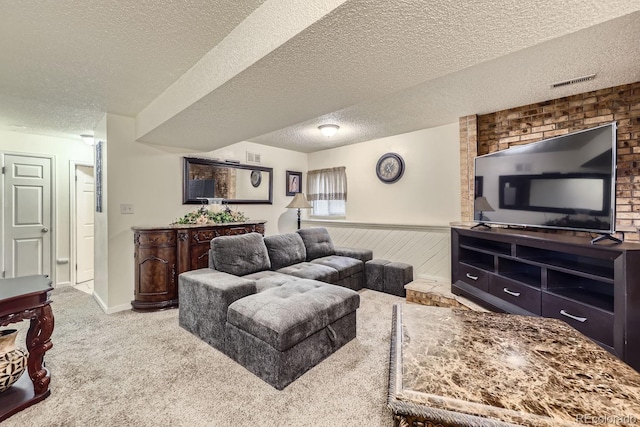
{"x": 481, "y": 204}
{"x": 300, "y": 202}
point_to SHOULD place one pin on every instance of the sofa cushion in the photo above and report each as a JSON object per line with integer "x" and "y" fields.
{"x": 285, "y": 250}
{"x": 344, "y": 265}
{"x": 286, "y": 315}
{"x": 363, "y": 255}
{"x": 308, "y": 270}
{"x": 317, "y": 242}
{"x": 241, "y": 254}
{"x": 269, "y": 279}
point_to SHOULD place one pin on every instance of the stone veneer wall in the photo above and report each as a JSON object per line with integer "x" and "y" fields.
{"x": 529, "y": 123}
{"x": 468, "y": 152}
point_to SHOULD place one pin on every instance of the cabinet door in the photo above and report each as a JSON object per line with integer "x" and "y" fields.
{"x": 199, "y": 256}
{"x": 199, "y": 244}
{"x": 156, "y": 274}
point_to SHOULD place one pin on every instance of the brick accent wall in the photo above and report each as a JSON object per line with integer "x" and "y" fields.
{"x": 468, "y": 152}
{"x": 529, "y": 123}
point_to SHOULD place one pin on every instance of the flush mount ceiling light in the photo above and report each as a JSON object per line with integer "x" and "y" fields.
{"x": 328, "y": 130}
{"x": 88, "y": 139}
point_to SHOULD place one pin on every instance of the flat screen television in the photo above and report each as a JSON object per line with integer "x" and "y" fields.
{"x": 566, "y": 182}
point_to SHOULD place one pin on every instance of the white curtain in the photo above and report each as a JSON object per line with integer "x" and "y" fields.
{"x": 327, "y": 191}
{"x": 327, "y": 184}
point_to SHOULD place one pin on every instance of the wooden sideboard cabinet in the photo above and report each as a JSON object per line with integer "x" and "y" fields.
{"x": 162, "y": 253}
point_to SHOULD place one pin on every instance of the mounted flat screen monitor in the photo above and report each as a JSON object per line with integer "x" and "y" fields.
{"x": 566, "y": 182}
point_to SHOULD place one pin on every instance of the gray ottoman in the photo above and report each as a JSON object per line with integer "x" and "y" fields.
{"x": 374, "y": 270}
{"x": 396, "y": 275}
{"x": 281, "y": 333}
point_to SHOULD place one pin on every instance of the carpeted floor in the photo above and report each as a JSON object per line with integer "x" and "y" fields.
{"x": 134, "y": 369}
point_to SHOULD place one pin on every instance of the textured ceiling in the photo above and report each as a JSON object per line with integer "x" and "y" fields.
{"x": 64, "y": 63}
{"x": 202, "y": 74}
{"x": 520, "y": 78}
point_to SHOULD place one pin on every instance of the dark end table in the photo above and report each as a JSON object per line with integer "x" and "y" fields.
{"x": 28, "y": 298}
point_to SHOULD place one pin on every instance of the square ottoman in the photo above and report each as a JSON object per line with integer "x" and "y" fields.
{"x": 396, "y": 275}
{"x": 282, "y": 332}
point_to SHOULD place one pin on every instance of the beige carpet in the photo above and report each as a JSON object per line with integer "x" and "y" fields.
{"x": 134, "y": 369}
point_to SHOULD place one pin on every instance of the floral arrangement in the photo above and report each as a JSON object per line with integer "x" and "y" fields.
{"x": 204, "y": 216}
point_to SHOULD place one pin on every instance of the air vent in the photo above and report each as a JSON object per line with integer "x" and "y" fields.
{"x": 573, "y": 81}
{"x": 253, "y": 157}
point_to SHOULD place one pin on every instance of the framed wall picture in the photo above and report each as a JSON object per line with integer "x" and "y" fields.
{"x": 294, "y": 183}
{"x": 98, "y": 177}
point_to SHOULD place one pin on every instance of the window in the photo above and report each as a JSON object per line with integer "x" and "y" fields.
{"x": 327, "y": 191}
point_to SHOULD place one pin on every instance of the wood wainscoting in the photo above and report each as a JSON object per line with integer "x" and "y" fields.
{"x": 427, "y": 248}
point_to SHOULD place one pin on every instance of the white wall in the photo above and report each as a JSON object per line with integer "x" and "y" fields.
{"x": 150, "y": 178}
{"x": 406, "y": 221}
{"x": 427, "y": 194}
{"x": 101, "y": 226}
{"x": 64, "y": 152}
{"x": 279, "y": 219}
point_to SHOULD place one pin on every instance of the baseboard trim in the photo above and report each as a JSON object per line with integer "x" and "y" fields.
{"x": 110, "y": 310}
{"x": 117, "y": 308}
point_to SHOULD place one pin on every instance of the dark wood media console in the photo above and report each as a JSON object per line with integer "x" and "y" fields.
{"x": 162, "y": 253}
{"x": 594, "y": 288}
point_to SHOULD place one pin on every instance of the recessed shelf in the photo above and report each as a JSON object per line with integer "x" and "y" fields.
{"x": 522, "y": 272}
{"x": 489, "y": 246}
{"x": 588, "y": 291}
{"x": 593, "y": 266}
{"x": 477, "y": 259}
{"x": 585, "y": 296}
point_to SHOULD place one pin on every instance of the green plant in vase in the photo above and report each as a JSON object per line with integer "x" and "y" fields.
{"x": 204, "y": 216}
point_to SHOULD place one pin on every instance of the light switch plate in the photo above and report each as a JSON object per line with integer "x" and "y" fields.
{"x": 126, "y": 208}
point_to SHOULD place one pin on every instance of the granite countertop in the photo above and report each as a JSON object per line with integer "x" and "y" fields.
{"x": 510, "y": 369}
{"x": 174, "y": 226}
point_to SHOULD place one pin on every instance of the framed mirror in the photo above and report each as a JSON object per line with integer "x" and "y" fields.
{"x": 234, "y": 182}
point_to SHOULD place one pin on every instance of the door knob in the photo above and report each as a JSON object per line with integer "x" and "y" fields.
{"x": 45, "y": 229}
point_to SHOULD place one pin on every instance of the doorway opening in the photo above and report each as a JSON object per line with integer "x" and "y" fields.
{"x": 83, "y": 227}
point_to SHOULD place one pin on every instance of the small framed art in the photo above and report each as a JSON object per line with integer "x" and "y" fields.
{"x": 98, "y": 177}
{"x": 294, "y": 183}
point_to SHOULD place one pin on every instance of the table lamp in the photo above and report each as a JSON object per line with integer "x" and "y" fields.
{"x": 481, "y": 204}
{"x": 299, "y": 202}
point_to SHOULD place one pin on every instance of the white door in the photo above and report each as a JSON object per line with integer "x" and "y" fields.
{"x": 27, "y": 215}
{"x": 84, "y": 223}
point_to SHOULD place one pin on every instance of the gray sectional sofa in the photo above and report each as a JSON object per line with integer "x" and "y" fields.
{"x": 272, "y": 260}
{"x": 278, "y": 305}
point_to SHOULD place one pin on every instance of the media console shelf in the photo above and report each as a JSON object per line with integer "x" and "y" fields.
{"x": 595, "y": 289}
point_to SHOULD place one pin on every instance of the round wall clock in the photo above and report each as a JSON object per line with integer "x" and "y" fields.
{"x": 256, "y": 178}
{"x": 390, "y": 168}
